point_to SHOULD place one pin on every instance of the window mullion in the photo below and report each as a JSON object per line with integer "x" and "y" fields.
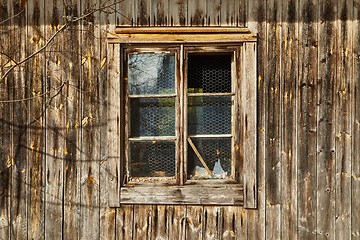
{"x": 181, "y": 129}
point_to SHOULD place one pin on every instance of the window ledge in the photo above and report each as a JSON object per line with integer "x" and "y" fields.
{"x": 202, "y": 194}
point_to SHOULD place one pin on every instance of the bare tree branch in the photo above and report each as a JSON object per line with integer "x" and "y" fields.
{"x": 70, "y": 19}
{"x": 8, "y": 19}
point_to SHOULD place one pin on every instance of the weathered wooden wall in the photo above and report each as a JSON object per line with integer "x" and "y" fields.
{"x": 53, "y": 108}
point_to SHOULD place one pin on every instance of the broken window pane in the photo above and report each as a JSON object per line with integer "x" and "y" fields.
{"x": 216, "y": 153}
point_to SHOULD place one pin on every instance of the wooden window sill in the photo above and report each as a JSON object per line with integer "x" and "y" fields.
{"x": 194, "y": 194}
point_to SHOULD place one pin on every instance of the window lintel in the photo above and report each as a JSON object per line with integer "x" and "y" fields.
{"x": 181, "y": 35}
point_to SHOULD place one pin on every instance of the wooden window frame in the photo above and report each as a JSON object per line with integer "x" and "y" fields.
{"x": 243, "y": 191}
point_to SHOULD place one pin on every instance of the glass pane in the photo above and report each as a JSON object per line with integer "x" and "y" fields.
{"x": 209, "y": 115}
{"x": 209, "y": 73}
{"x": 151, "y": 73}
{"x": 152, "y": 117}
{"x": 216, "y": 152}
{"x": 152, "y": 159}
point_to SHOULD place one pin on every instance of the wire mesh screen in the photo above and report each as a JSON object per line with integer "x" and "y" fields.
{"x": 152, "y": 159}
{"x": 209, "y": 73}
{"x": 211, "y": 150}
{"x": 209, "y": 115}
{"x": 151, "y": 73}
{"x": 152, "y": 117}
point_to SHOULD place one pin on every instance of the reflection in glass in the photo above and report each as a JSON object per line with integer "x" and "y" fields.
{"x": 151, "y": 73}
{"x": 152, "y": 159}
{"x": 152, "y": 117}
{"x": 209, "y": 115}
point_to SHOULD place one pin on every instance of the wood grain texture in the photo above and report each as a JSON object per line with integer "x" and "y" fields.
{"x": 249, "y": 139}
{"x": 72, "y": 125}
{"x": 256, "y": 13}
{"x": 307, "y": 119}
{"x": 113, "y": 164}
{"x": 326, "y": 122}
{"x": 55, "y": 124}
{"x": 178, "y": 14}
{"x": 124, "y": 222}
{"x": 228, "y": 12}
{"x": 176, "y": 221}
{"x": 194, "y": 222}
{"x": 36, "y": 144}
{"x": 159, "y": 13}
{"x": 213, "y": 13}
{"x": 289, "y": 84}
{"x": 6, "y": 109}
{"x": 142, "y": 10}
{"x": 107, "y": 215}
{"x": 90, "y": 123}
{"x": 307, "y": 122}
{"x": 196, "y": 13}
{"x": 273, "y": 165}
{"x": 342, "y": 100}
{"x": 143, "y": 220}
{"x": 20, "y": 171}
{"x": 355, "y": 164}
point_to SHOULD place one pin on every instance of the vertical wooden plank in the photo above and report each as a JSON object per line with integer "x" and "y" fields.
{"x": 212, "y": 222}
{"x": 176, "y": 221}
{"x": 55, "y": 123}
{"x": 196, "y": 13}
{"x": 159, "y": 223}
{"x": 249, "y": 101}
{"x": 194, "y": 222}
{"x": 230, "y": 222}
{"x": 143, "y": 215}
{"x": 107, "y": 215}
{"x": 256, "y": 15}
{"x": 72, "y": 64}
{"x": 125, "y": 13}
{"x": 273, "y": 164}
{"x": 213, "y": 12}
{"x": 307, "y": 118}
{"x": 326, "y": 122}
{"x": 5, "y": 123}
{"x": 90, "y": 123}
{"x": 228, "y": 13}
{"x": 124, "y": 222}
{"x": 343, "y": 120}
{"x": 241, "y": 11}
{"x": 355, "y": 180}
{"x": 289, "y": 76}
{"x": 142, "y": 11}
{"x": 159, "y": 13}
{"x": 178, "y": 12}
{"x": 19, "y": 180}
{"x": 35, "y": 69}
{"x": 113, "y": 165}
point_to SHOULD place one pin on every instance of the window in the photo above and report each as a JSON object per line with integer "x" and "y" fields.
{"x": 186, "y": 118}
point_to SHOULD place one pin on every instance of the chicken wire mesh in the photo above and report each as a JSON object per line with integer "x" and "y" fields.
{"x": 209, "y": 73}
{"x": 152, "y": 159}
{"x": 209, "y": 115}
{"x": 152, "y": 117}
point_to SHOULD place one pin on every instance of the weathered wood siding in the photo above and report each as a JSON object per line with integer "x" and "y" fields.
{"x": 54, "y": 180}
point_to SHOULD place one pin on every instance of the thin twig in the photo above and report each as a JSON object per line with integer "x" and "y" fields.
{"x": 70, "y": 20}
